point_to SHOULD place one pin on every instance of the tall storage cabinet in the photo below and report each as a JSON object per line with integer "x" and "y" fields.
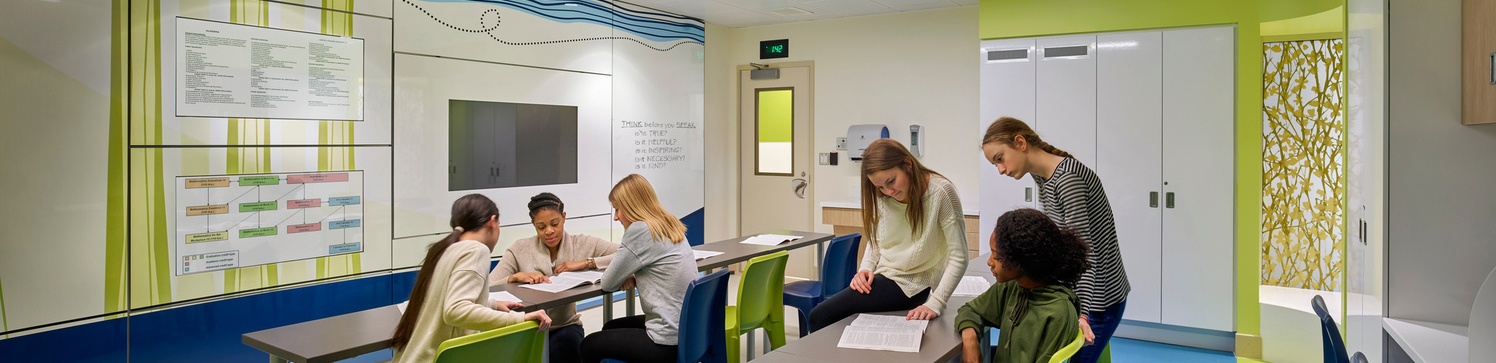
{"x": 1007, "y": 89}
{"x": 1152, "y": 112}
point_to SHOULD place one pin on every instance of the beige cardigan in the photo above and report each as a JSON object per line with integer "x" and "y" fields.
{"x": 456, "y": 302}
{"x": 530, "y": 254}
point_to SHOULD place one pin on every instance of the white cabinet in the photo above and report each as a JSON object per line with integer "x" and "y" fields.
{"x": 1065, "y": 95}
{"x": 1199, "y": 174}
{"x": 1007, "y": 89}
{"x": 1152, "y": 112}
{"x": 1129, "y": 72}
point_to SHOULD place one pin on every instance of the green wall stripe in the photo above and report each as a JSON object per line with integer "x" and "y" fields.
{"x": 160, "y": 243}
{"x": 116, "y": 236}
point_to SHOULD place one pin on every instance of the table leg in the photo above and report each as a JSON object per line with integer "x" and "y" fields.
{"x": 275, "y": 359}
{"x": 607, "y": 307}
{"x": 629, "y": 301}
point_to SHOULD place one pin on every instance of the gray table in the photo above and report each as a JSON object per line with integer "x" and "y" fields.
{"x": 734, "y": 251}
{"x": 940, "y": 342}
{"x": 353, "y": 334}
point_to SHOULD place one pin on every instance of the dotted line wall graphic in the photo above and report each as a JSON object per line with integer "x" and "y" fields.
{"x": 498, "y": 18}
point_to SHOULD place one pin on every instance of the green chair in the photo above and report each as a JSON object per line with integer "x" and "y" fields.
{"x": 1064, "y": 354}
{"x": 522, "y": 342}
{"x": 760, "y": 302}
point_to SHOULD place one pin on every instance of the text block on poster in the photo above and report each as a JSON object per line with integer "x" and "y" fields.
{"x": 240, "y": 71}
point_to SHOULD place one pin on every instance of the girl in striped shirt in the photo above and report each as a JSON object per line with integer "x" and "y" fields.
{"x": 1073, "y": 197}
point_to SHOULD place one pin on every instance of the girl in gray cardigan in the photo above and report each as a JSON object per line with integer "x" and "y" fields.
{"x": 655, "y": 257}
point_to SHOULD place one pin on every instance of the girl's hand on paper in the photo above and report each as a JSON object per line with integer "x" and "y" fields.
{"x": 921, "y": 313}
{"x": 507, "y": 306}
{"x": 529, "y": 278}
{"x": 570, "y": 266}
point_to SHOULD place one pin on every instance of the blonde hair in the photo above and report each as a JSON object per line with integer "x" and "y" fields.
{"x": 885, "y": 154}
{"x": 635, "y": 198}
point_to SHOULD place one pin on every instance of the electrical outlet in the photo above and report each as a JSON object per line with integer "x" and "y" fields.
{"x": 841, "y": 143}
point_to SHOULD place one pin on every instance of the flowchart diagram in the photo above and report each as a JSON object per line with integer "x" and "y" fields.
{"x": 229, "y": 221}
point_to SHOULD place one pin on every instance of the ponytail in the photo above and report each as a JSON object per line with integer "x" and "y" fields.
{"x": 1006, "y": 130}
{"x": 469, "y": 213}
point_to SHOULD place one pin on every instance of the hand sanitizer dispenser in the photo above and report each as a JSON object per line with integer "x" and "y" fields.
{"x": 859, "y": 136}
{"x": 917, "y": 140}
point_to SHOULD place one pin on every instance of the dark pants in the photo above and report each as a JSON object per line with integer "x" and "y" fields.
{"x": 566, "y": 344}
{"x": 625, "y": 339}
{"x": 885, "y": 295}
{"x": 1103, "y": 324}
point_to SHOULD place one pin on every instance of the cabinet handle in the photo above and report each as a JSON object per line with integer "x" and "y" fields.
{"x": 1028, "y": 194}
{"x": 1153, "y": 199}
{"x": 1493, "y": 67}
{"x": 452, "y": 169}
{"x": 1169, "y": 200}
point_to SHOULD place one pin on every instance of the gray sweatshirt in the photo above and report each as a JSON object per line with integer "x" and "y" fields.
{"x": 662, "y": 271}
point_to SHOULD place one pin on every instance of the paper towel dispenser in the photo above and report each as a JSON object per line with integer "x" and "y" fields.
{"x": 859, "y": 136}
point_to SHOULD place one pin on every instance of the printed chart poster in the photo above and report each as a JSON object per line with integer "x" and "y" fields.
{"x": 241, "y": 71}
{"x": 230, "y": 221}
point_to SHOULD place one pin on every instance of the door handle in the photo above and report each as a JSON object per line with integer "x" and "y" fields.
{"x": 1153, "y": 199}
{"x": 1028, "y": 194}
{"x": 452, "y": 169}
{"x": 1169, "y": 200}
{"x": 799, "y": 185}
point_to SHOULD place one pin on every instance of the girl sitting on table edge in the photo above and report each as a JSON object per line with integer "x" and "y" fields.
{"x": 916, "y": 252}
{"x": 1035, "y": 263}
{"x": 552, "y": 251}
{"x": 454, "y": 281}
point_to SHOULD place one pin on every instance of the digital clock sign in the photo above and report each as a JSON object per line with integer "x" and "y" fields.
{"x": 770, "y": 49}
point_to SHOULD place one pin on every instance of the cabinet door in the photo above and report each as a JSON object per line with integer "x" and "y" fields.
{"x": 1198, "y": 146}
{"x": 1065, "y": 94}
{"x": 1007, "y": 89}
{"x": 1129, "y": 103}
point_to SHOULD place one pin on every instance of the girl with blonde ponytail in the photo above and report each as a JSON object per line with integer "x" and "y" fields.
{"x": 1073, "y": 197}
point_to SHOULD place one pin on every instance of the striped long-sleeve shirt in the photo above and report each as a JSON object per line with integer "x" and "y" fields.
{"x": 1074, "y": 199}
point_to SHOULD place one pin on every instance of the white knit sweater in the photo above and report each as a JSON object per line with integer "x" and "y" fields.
{"x": 935, "y": 258}
{"x": 456, "y": 303}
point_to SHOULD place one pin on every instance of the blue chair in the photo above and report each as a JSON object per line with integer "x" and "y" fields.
{"x": 836, "y": 273}
{"x": 703, "y": 321}
{"x": 1334, "y": 348}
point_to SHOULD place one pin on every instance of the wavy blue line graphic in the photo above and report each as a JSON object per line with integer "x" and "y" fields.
{"x": 644, "y": 24}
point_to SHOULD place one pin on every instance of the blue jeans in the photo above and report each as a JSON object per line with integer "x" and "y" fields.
{"x": 1103, "y": 324}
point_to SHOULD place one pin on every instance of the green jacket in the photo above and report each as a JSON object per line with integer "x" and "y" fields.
{"x": 1034, "y": 323}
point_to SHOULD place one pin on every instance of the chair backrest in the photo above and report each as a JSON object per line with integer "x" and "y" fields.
{"x": 703, "y": 319}
{"x": 1067, "y": 351}
{"x": 1334, "y": 347}
{"x": 761, "y": 291}
{"x": 840, "y": 264}
{"x": 522, "y": 342}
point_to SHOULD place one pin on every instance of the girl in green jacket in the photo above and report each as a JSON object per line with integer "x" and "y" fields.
{"x": 1035, "y": 263}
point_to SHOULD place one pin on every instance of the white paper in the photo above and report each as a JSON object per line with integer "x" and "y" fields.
{"x": 884, "y": 332}
{"x": 503, "y": 296}
{"x": 971, "y": 286}
{"x": 567, "y": 280}
{"x": 770, "y": 239}
{"x": 402, "y": 306}
{"x": 702, "y": 255}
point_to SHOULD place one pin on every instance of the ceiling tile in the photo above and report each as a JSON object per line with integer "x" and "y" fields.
{"x": 934, "y": 5}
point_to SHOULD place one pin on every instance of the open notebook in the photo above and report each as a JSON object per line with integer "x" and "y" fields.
{"x": 767, "y": 239}
{"x": 567, "y": 280}
{"x": 883, "y": 332}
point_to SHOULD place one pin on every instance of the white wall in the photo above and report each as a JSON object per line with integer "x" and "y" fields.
{"x": 896, "y": 69}
{"x": 1441, "y": 199}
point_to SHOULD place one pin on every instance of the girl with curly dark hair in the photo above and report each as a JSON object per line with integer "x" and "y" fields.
{"x": 1035, "y": 263}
